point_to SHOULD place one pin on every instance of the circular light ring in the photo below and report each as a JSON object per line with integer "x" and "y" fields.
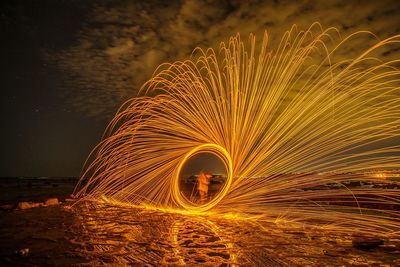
{"x": 224, "y": 156}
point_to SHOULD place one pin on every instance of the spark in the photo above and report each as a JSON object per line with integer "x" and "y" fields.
{"x": 293, "y": 126}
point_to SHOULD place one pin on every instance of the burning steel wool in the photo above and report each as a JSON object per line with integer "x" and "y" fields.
{"x": 300, "y": 130}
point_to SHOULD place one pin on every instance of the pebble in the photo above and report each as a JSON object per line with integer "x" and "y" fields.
{"x": 23, "y": 252}
{"x": 51, "y": 202}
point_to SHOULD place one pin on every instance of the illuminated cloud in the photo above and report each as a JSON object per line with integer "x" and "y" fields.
{"x": 120, "y": 45}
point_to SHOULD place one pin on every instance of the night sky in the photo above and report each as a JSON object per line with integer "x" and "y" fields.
{"x": 68, "y": 65}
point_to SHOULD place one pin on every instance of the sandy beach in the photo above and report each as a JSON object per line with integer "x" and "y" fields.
{"x": 88, "y": 234}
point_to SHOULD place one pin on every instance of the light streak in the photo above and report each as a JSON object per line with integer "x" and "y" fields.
{"x": 209, "y": 148}
{"x": 275, "y": 118}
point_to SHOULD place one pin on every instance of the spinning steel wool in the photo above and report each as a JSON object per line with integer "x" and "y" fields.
{"x": 294, "y": 127}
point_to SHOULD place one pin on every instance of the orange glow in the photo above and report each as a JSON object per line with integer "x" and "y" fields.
{"x": 381, "y": 175}
{"x": 296, "y": 128}
{"x": 224, "y": 156}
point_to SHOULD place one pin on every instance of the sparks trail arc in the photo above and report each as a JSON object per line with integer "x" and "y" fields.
{"x": 221, "y": 153}
{"x": 276, "y": 117}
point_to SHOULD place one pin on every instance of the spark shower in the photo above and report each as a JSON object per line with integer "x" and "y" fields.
{"x": 285, "y": 121}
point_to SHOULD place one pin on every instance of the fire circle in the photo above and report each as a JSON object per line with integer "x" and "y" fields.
{"x": 224, "y": 156}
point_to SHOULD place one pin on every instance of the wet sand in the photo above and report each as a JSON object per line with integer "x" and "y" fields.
{"x": 104, "y": 234}
{"x": 96, "y": 235}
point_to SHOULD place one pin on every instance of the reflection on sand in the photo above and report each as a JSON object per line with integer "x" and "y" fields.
{"x": 201, "y": 241}
{"x": 120, "y": 235}
{"x": 114, "y": 234}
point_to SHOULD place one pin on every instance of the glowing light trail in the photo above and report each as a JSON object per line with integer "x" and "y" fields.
{"x": 276, "y": 118}
{"x": 210, "y": 148}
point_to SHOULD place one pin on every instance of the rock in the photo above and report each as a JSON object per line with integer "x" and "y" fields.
{"x": 27, "y": 205}
{"x": 23, "y": 205}
{"x": 7, "y": 207}
{"x": 366, "y": 243}
{"x": 51, "y": 202}
{"x": 23, "y": 252}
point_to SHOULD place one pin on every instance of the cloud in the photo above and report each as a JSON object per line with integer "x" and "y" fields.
{"x": 123, "y": 42}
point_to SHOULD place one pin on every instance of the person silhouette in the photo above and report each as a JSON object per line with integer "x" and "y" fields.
{"x": 203, "y": 180}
